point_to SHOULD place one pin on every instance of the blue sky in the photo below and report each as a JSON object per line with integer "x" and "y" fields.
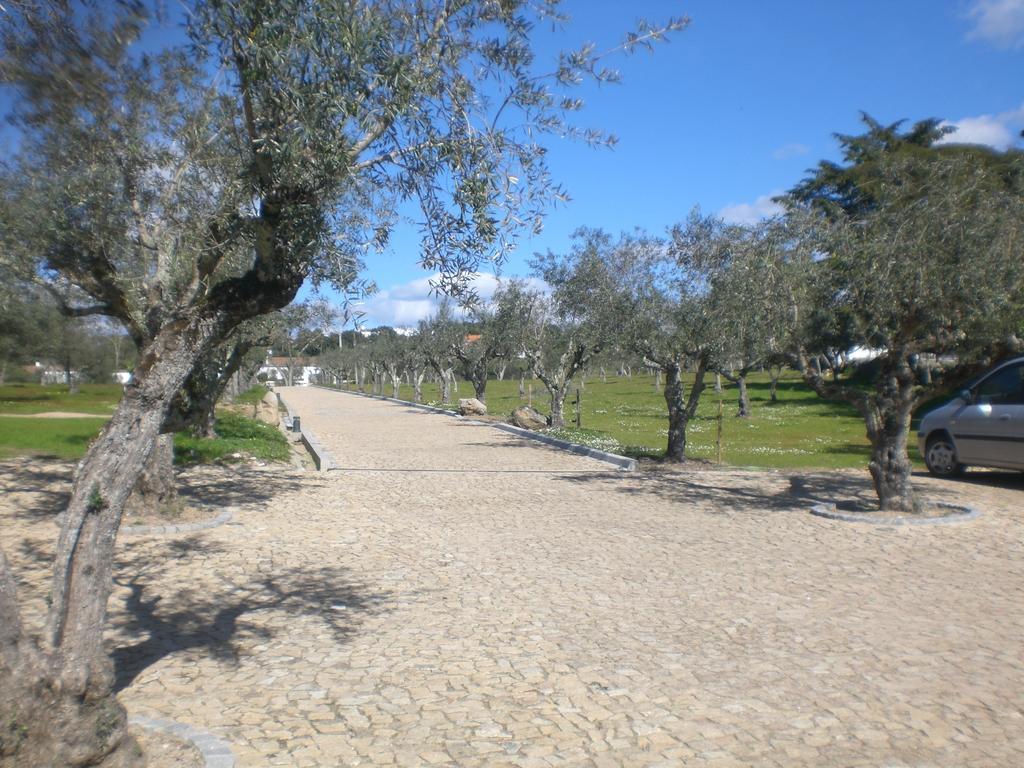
{"x": 739, "y": 105}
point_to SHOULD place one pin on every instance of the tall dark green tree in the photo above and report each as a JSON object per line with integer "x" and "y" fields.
{"x": 921, "y": 262}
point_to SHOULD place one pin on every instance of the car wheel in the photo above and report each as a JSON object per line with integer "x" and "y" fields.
{"x": 940, "y": 457}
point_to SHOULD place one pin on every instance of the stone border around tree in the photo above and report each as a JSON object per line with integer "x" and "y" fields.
{"x": 205, "y": 525}
{"x": 828, "y": 510}
{"x": 216, "y": 752}
{"x": 622, "y": 462}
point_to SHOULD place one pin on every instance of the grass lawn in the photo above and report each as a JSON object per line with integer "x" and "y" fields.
{"x": 69, "y": 438}
{"x": 100, "y": 399}
{"x": 59, "y": 438}
{"x": 628, "y": 416}
{"x": 252, "y": 395}
{"x": 236, "y": 435}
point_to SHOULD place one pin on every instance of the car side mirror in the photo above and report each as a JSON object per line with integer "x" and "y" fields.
{"x": 965, "y": 395}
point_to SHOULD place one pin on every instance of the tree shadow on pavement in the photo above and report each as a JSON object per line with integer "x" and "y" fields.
{"x": 1006, "y": 479}
{"x": 216, "y": 619}
{"x": 220, "y": 486}
{"x": 735, "y": 492}
{"x": 45, "y": 483}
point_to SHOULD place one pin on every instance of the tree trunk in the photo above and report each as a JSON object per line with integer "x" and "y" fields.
{"x": 744, "y": 398}
{"x": 557, "y": 402}
{"x": 205, "y": 426}
{"x": 396, "y": 381}
{"x": 890, "y": 465}
{"x": 657, "y": 380}
{"x": 480, "y": 383}
{"x": 60, "y": 694}
{"x": 718, "y": 383}
{"x": 501, "y": 371}
{"x": 677, "y": 416}
{"x": 773, "y": 387}
{"x": 417, "y": 386}
{"x": 446, "y": 386}
{"x": 3, "y": 373}
{"x": 155, "y": 490}
{"x": 680, "y": 409}
{"x": 522, "y": 386}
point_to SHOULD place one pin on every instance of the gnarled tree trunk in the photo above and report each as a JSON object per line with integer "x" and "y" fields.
{"x": 557, "y": 404}
{"x": 890, "y": 467}
{"x": 60, "y": 693}
{"x": 155, "y": 489}
{"x": 417, "y": 384}
{"x": 743, "y": 410}
{"x": 773, "y": 386}
{"x": 680, "y": 408}
{"x": 478, "y": 377}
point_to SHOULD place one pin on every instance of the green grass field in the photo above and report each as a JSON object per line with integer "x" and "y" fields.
{"x": 622, "y": 415}
{"x": 629, "y": 416}
{"x": 59, "y": 438}
{"x": 69, "y": 438}
{"x": 35, "y": 398}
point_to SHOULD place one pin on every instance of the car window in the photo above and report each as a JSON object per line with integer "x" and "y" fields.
{"x": 1005, "y": 387}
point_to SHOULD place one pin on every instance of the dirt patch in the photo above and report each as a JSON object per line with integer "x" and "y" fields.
{"x": 165, "y": 750}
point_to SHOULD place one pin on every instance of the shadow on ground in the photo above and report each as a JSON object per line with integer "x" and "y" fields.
{"x": 240, "y": 485}
{"x": 739, "y": 492}
{"x": 1007, "y": 479}
{"x": 45, "y": 483}
{"x": 214, "y": 620}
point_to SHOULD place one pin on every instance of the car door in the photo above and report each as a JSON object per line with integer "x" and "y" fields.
{"x": 990, "y": 430}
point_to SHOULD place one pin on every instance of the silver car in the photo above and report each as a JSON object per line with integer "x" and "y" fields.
{"x": 982, "y": 427}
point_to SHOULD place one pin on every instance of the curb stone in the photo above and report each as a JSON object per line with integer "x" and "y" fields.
{"x": 322, "y": 458}
{"x": 205, "y": 525}
{"x": 828, "y": 510}
{"x": 216, "y": 752}
{"x": 622, "y": 462}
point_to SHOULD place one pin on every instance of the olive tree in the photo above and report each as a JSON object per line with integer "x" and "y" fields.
{"x": 435, "y": 338}
{"x": 919, "y": 258}
{"x": 486, "y": 337}
{"x": 663, "y": 314}
{"x": 186, "y": 190}
{"x": 750, "y": 275}
{"x": 564, "y": 330}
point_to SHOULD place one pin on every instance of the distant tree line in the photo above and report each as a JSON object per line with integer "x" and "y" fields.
{"x": 910, "y": 253}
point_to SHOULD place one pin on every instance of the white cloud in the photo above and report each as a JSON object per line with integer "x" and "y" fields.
{"x": 751, "y": 213}
{"x": 998, "y": 131}
{"x": 405, "y": 304}
{"x": 787, "y": 151}
{"x": 1000, "y": 22}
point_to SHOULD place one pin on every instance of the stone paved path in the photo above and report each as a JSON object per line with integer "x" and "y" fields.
{"x": 534, "y": 608}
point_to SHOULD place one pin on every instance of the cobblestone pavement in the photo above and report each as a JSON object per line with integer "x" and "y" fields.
{"x": 460, "y": 597}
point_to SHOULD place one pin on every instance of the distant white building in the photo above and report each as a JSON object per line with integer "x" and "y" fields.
{"x": 49, "y": 373}
{"x": 276, "y": 369}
